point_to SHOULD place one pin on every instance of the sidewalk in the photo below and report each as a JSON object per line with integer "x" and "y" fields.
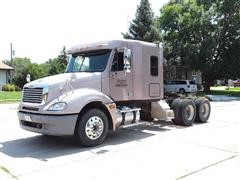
{"x": 222, "y": 98}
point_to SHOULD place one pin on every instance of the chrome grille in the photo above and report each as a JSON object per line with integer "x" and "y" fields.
{"x": 32, "y": 95}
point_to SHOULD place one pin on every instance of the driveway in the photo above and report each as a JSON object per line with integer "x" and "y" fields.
{"x": 159, "y": 150}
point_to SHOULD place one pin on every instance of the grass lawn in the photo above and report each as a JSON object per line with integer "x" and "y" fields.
{"x": 232, "y": 91}
{"x": 6, "y": 96}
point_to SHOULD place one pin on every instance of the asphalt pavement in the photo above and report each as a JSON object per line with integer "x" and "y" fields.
{"x": 158, "y": 150}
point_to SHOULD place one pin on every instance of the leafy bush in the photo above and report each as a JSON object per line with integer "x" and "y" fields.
{"x": 17, "y": 88}
{"x": 10, "y": 87}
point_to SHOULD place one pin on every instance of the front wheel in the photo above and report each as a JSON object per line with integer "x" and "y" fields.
{"x": 92, "y": 128}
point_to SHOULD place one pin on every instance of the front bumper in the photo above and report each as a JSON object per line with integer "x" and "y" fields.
{"x": 56, "y": 125}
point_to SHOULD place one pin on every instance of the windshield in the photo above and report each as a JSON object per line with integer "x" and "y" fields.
{"x": 93, "y": 61}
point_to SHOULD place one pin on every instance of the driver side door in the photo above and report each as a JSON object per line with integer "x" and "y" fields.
{"x": 121, "y": 82}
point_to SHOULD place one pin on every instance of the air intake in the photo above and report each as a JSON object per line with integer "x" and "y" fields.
{"x": 32, "y": 95}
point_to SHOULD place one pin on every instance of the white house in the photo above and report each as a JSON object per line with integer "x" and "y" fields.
{"x": 5, "y": 74}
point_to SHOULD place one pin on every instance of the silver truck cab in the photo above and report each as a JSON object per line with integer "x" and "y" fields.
{"x": 106, "y": 85}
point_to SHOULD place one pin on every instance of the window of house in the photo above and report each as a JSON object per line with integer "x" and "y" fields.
{"x": 154, "y": 65}
{"x": 117, "y": 64}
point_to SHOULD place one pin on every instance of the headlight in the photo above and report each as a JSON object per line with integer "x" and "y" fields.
{"x": 59, "y": 106}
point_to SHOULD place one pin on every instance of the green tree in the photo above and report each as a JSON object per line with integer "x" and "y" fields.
{"x": 45, "y": 68}
{"x": 203, "y": 35}
{"x": 20, "y": 65}
{"x": 23, "y": 66}
{"x": 35, "y": 70}
{"x": 143, "y": 26}
{"x": 58, "y": 65}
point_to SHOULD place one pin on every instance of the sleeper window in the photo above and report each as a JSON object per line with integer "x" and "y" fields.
{"x": 154, "y": 65}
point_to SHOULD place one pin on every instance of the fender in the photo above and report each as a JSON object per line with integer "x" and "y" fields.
{"x": 76, "y": 100}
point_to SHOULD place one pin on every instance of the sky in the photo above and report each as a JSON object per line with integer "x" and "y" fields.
{"x": 38, "y": 29}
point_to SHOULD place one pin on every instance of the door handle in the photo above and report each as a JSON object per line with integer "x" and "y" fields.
{"x": 114, "y": 74}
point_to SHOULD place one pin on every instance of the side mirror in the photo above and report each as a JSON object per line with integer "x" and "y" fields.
{"x": 28, "y": 78}
{"x": 127, "y": 55}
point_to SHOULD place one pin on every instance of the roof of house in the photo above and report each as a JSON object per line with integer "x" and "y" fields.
{"x": 4, "y": 66}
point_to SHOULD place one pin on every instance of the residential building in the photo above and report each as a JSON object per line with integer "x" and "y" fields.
{"x": 5, "y": 74}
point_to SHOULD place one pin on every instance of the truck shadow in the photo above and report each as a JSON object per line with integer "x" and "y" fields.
{"x": 46, "y": 147}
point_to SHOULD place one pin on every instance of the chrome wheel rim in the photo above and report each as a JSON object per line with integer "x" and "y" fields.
{"x": 205, "y": 110}
{"x": 189, "y": 112}
{"x": 94, "y": 127}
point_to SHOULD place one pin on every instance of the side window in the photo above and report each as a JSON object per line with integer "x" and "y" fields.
{"x": 180, "y": 82}
{"x": 117, "y": 64}
{"x": 192, "y": 82}
{"x": 154, "y": 65}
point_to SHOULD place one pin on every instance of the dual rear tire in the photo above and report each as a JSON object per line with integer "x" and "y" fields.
{"x": 187, "y": 111}
{"x": 203, "y": 110}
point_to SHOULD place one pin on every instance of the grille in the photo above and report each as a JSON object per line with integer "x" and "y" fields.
{"x": 32, "y": 95}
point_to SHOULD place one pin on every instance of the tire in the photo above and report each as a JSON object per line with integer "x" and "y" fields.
{"x": 184, "y": 112}
{"x": 182, "y": 91}
{"x": 203, "y": 110}
{"x": 92, "y": 128}
{"x": 175, "y": 107}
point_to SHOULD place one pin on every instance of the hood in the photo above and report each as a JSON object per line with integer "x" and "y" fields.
{"x": 61, "y": 78}
{"x": 59, "y": 84}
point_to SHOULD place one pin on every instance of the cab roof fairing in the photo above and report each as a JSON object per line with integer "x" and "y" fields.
{"x": 111, "y": 44}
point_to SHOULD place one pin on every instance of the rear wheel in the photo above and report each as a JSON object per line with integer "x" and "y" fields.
{"x": 203, "y": 110}
{"x": 175, "y": 107}
{"x": 92, "y": 128}
{"x": 184, "y": 112}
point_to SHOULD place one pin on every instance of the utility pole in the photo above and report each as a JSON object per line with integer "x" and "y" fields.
{"x": 12, "y": 52}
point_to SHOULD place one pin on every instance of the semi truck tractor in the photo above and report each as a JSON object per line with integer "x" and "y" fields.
{"x": 106, "y": 85}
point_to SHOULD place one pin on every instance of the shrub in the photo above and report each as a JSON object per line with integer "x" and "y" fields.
{"x": 10, "y": 87}
{"x": 7, "y": 87}
{"x": 17, "y": 88}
